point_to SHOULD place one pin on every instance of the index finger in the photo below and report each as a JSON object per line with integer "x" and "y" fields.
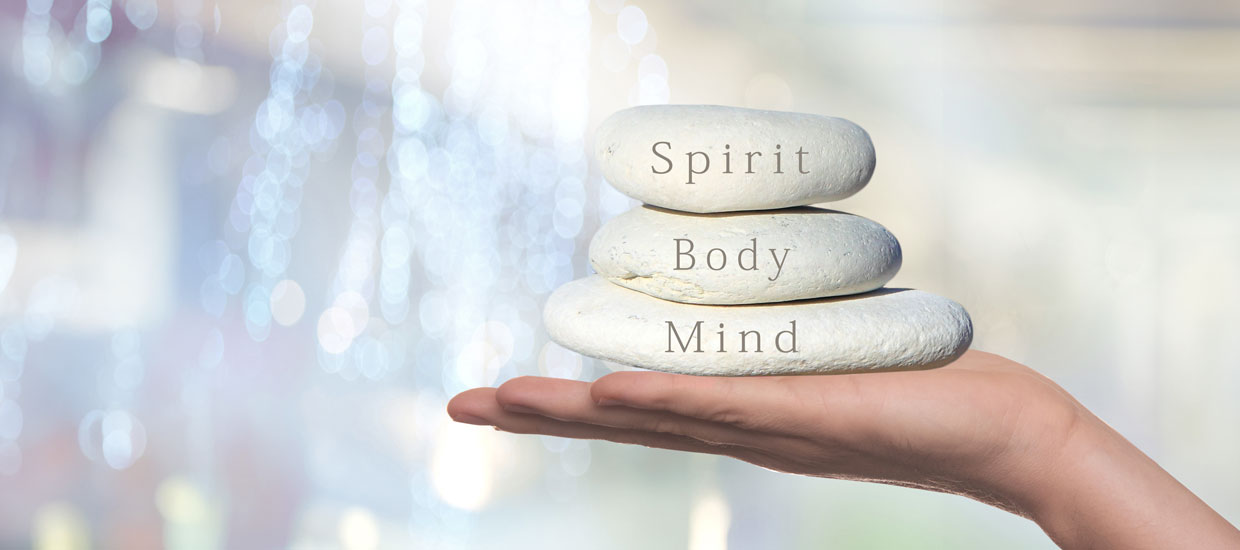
{"x": 766, "y": 403}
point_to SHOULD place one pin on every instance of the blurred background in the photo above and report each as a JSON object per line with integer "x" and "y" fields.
{"x": 248, "y": 249}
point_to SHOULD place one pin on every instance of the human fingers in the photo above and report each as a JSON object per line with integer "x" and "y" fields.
{"x": 773, "y": 404}
{"x": 471, "y": 406}
{"x": 479, "y": 406}
{"x": 570, "y": 401}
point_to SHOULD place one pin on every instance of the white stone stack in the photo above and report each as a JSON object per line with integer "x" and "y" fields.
{"x": 726, "y": 271}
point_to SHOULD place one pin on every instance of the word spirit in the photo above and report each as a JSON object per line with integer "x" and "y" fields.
{"x": 698, "y": 162}
{"x": 717, "y": 258}
{"x": 745, "y": 337}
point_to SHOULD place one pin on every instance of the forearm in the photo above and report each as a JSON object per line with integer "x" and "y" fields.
{"x": 1103, "y": 492}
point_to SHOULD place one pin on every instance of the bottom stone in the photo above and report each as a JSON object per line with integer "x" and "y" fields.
{"x": 887, "y": 329}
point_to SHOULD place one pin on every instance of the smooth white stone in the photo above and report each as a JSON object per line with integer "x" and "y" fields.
{"x": 888, "y": 329}
{"x": 838, "y": 157}
{"x": 800, "y": 253}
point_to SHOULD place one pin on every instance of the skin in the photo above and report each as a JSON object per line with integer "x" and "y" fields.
{"x": 984, "y": 427}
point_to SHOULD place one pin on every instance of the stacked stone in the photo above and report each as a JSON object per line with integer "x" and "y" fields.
{"x": 725, "y": 270}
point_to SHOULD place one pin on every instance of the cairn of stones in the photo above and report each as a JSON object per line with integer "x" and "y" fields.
{"x": 726, "y": 269}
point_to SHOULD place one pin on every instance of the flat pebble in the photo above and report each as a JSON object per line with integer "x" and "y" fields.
{"x": 708, "y": 158}
{"x": 888, "y": 329}
{"x": 745, "y": 257}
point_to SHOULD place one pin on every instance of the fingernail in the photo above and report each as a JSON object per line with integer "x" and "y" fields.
{"x": 468, "y": 419}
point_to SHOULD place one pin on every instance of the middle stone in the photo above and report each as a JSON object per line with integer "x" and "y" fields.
{"x": 744, "y": 257}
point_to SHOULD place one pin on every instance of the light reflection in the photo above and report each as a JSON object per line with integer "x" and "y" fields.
{"x": 114, "y": 436}
{"x": 631, "y": 24}
{"x": 557, "y": 362}
{"x": 298, "y": 23}
{"x": 464, "y": 203}
{"x": 358, "y": 530}
{"x": 335, "y": 330}
{"x": 98, "y": 20}
{"x": 430, "y": 159}
{"x": 575, "y": 458}
{"x": 180, "y": 501}
{"x": 462, "y": 466}
{"x": 60, "y": 525}
{"x": 141, "y": 13}
{"x": 288, "y": 302}
{"x": 486, "y": 352}
{"x": 709, "y": 522}
{"x": 212, "y": 351}
{"x": 8, "y": 259}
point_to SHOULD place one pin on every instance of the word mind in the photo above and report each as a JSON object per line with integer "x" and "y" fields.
{"x": 785, "y": 341}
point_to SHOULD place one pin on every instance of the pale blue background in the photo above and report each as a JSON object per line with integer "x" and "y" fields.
{"x": 176, "y": 173}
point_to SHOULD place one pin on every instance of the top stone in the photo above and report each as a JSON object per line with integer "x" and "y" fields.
{"x": 708, "y": 158}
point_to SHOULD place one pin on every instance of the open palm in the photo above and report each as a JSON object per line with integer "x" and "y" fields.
{"x": 983, "y": 426}
{"x": 949, "y": 429}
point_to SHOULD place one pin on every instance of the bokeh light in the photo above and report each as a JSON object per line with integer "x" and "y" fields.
{"x": 261, "y": 244}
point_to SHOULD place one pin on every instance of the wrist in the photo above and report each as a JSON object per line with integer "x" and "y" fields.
{"x": 1062, "y": 481}
{"x": 1100, "y": 491}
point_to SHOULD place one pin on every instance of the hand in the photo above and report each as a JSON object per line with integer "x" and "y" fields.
{"x": 983, "y": 426}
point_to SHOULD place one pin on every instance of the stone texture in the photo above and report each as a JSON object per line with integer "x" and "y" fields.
{"x": 888, "y": 329}
{"x": 838, "y": 156}
{"x": 795, "y": 253}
